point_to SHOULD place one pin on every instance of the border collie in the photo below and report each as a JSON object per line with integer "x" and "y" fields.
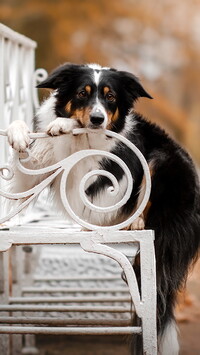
{"x": 99, "y": 98}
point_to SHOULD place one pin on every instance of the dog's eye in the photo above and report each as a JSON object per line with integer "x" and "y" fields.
{"x": 110, "y": 97}
{"x": 82, "y": 94}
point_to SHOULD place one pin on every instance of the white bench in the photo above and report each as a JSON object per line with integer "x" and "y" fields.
{"x": 17, "y": 100}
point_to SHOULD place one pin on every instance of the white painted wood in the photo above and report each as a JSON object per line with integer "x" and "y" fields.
{"x": 4, "y": 294}
{"x": 17, "y": 62}
{"x": 71, "y": 331}
{"x": 148, "y": 296}
{"x": 40, "y": 290}
{"x": 16, "y": 37}
{"x": 16, "y": 273}
{"x": 28, "y": 300}
{"x": 69, "y": 321}
{"x": 65, "y": 236}
{"x": 55, "y": 308}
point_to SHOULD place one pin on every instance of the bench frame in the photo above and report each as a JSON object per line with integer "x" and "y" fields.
{"x": 99, "y": 239}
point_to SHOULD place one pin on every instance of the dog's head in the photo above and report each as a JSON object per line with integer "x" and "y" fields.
{"x": 97, "y": 97}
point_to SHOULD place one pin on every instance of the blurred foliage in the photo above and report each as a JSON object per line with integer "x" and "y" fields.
{"x": 158, "y": 41}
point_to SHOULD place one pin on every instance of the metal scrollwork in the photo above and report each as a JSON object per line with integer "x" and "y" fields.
{"x": 38, "y": 76}
{"x": 64, "y": 167}
{"x": 6, "y": 172}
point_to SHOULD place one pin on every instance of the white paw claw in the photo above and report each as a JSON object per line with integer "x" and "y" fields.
{"x": 18, "y": 136}
{"x": 61, "y": 125}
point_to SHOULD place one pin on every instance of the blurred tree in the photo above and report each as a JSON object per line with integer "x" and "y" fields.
{"x": 158, "y": 41}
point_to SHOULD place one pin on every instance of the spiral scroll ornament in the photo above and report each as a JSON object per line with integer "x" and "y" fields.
{"x": 64, "y": 167}
{"x": 38, "y": 76}
{"x": 114, "y": 189}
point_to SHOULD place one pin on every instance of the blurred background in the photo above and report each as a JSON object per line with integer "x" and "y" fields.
{"x": 157, "y": 41}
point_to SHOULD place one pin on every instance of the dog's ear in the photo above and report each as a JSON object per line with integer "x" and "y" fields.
{"x": 52, "y": 81}
{"x": 132, "y": 85}
{"x": 60, "y": 75}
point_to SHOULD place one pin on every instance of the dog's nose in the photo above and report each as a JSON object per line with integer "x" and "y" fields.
{"x": 97, "y": 118}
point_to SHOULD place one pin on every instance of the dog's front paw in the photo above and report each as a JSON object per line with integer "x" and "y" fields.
{"x": 61, "y": 125}
{"x": 18, "y": 136}
{"x": 138, "y": 224}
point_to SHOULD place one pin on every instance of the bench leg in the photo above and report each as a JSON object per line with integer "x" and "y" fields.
{"x": 4, "y": 294}
{"x": 149, "y": 296}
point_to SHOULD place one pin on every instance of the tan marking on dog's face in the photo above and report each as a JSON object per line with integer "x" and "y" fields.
{"x": 115, "y": 116}
{"x": 82, "y": 115}
{"x": 106, "y": 89}
{"x": 112, "y": 117}
{"x": 68, "y": 107}
{"x": 88, "y": 89}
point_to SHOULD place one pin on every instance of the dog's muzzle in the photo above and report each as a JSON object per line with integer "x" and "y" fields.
{"x": 96, "y": 119}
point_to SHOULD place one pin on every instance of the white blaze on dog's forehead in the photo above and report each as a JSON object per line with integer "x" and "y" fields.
{"x": 97, "y": 71}
{"x": 97, "y": 74}
{"x": 95, "y": 66}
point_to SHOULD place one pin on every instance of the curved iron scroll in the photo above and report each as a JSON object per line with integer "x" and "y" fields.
{"x": 64, "y": 167}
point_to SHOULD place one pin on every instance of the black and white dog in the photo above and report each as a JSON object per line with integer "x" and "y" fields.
{"x": 101, "y": 98}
